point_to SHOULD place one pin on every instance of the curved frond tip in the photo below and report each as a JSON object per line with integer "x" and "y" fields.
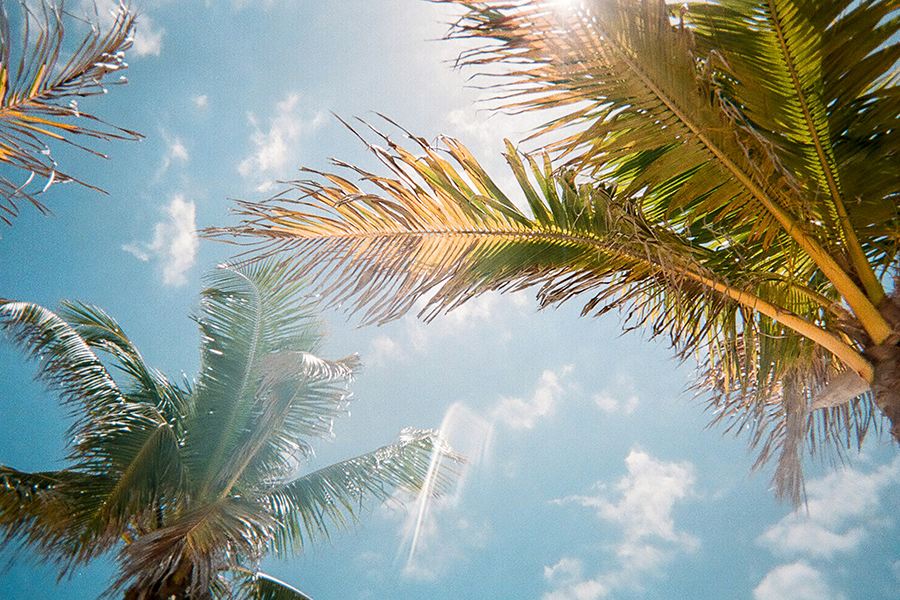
{"x": 44, "y": 72}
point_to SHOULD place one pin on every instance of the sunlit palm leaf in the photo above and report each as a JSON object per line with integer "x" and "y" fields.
{"x": 441, "y": 229}
{"x": 39, "y": 91}
{"x": 307, "y": 507}
{"x": 247, "y": 318}
{"x": 645, "y": 105}
{"x": 259, "y": 586}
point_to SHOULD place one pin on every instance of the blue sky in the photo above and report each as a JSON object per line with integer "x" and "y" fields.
{"x": 592, "y": 472}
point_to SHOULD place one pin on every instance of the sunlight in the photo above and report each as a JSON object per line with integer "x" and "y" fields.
{"x": 465, "y": 433}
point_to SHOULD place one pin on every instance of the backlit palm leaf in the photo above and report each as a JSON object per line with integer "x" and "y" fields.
{"x": 187, "y": 483}
{"x": 652, "y": 102}
{"x": 440, "y": 228}
{"x": 43, "y": 74}
{"x": 307, "y": 506}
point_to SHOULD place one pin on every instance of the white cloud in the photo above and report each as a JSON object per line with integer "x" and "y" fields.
{"x": 201, "y": 101}
{"x": 175, "y": 152}
{"x": 623, "y": 400}
{"x": 643, "y": 511}
{"x": 796, "y": 581}
{"x": 174, "y": 243}
{"x": 276, "y": 144}
{"x": 147, "y": 37}
{"x": 524, "y": 414}
{"x": 384, "y": 351}
{"x": 569, "y": 584}
{"x": 840, "y": 507}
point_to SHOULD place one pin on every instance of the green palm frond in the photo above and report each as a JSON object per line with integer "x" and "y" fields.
{"x": 331, "y": 497}
{"x": 297, "y": 400}
{"x": 67, "y": 363}
{"x": 259, "y": 586}
{"x": 440, "y": 228}
{"x": 648, "y": 103}
{"x": 249, "y": 318}
{"x": 41, "y": 80}
{"x": 102, "y": 332}
{"x": 36, "y": 508}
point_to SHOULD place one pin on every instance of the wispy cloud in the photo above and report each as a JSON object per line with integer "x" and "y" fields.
{"x": 622, "y": 399}
{"x": 174, "y": 245}
{"x": 646, "y": 497}
{"x": 201, "y": 101}
{"x": 276, "y": 143}
{"x": 844, "y": 510}
{"x": 841, "y": 507}
{"x": 524, "y": 414}
{"x": 147, "y": 36}
{"x": 175, "y": 152}
{"x": 795, "y": 581}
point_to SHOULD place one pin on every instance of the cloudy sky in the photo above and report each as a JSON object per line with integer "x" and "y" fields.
{"x": 592, "y": 474}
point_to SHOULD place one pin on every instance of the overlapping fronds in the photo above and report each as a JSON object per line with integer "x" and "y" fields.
{"x": 43, "y": 74}
{"x": 258, "y": 379}
{"x": 189, "y": 482}
{"x": 439, "y": 228}
{"x": 733, "y": 104}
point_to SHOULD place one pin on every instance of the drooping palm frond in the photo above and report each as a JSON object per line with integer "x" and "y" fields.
{"x": 102, "y": 332}
{"x": 259, "y": 586}
{"x": 648, "y": 101}
{"x": 440, "y": 228}
{"x": 189, "y": 553}
{"x": 42, "y": 77}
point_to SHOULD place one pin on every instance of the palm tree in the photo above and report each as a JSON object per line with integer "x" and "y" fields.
{"x": 723, "y": 173}
{"x": 193, "y": 483}
{"x": 41, "y": 80}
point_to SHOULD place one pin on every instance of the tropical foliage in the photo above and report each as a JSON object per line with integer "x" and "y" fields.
{"x": 43, "y": 74}
{"x": 724, "y": 173}
{"x": 192, "y": 483}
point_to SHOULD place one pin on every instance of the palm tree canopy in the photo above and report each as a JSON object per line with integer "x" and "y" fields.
{"x": 722, "y": 172}
{"x": 198, "y": 479}
{"x": 43, "y": 74}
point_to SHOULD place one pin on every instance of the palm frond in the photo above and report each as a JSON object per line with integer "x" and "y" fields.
{"x": 102, "y": 332}
{"x": 307, "y": 507}
{"x": 189, "y": 553}
{"x": 441, "y": 229}
{"x": 259, "y": 586}
{"x": 247, "y": 316}
{"x": 39, "y": 92}
{"x": 298, "y": 399}
{"x": 67, "y": 363}
{"x": 643, "y": 110}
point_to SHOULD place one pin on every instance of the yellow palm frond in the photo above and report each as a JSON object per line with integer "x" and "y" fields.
{"x": 39, "y": 93}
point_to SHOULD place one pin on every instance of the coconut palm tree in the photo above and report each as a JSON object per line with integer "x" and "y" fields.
{"x": 724, "y": 173}
{"x": 42, "y": 77}
{"x": 191, "y": 484}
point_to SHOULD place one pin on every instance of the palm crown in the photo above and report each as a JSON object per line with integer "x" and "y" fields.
{"x": 725, "y": 173}
{"x": 199, "y": 480}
